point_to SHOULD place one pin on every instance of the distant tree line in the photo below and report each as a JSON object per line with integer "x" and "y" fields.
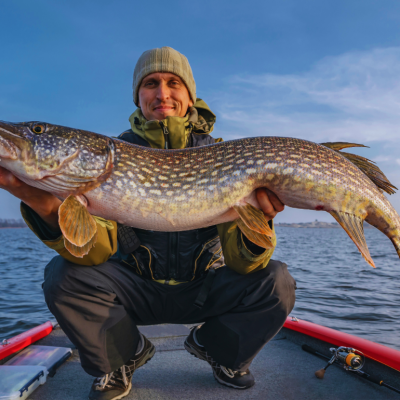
{"x": 12, "y": 223}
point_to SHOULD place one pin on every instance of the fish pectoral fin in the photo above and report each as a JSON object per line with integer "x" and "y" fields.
{"x": 354, "y": 226}
{"x": 76, "y": 223}
{"x": 254, "y": 219}
{"x": 257, "y": 238}
{"x": 80, "y": 251}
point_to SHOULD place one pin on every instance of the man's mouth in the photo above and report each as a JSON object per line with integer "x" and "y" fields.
{"x": 164, "y": 108}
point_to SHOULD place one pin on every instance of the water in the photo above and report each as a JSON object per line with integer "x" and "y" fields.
{"x": 336, "y": 287}
{"x": 22, "y": 260}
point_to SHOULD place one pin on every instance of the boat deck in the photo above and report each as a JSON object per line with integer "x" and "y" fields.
{"x": 282, "y": 371}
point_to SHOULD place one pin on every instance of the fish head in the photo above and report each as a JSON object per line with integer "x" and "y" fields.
{"x": 56, "y": 158}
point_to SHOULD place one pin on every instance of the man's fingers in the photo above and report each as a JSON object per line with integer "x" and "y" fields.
{"x": 273, "y": 198}
{"x": 269, "y": 203}
{"x": 7, "y": 180}
{"x": 4, "y": 176}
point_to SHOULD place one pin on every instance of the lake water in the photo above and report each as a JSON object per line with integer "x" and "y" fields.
{"x": 336, "y": 287}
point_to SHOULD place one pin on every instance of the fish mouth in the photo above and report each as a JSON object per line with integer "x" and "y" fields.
{"x": 9, "y": 140}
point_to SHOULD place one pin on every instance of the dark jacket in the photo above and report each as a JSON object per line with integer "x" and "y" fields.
{"x": 172, "y": 257}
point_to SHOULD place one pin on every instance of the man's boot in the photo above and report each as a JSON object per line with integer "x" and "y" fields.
{"x": 224, "y": 376}
{"x": 118, "y": 384}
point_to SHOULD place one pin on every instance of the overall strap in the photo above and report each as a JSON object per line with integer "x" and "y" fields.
{"x": 132, "y": 137}
{"x": 201, "y": 140}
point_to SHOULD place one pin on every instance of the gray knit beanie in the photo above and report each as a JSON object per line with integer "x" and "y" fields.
{"x": 164, "y": 59}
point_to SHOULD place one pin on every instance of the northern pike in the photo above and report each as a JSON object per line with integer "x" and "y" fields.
{"x": 177, "y": 190}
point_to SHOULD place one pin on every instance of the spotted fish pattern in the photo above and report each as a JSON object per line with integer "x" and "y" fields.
{"x": 176, "y": 190}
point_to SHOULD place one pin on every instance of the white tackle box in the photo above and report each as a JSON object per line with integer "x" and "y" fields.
{"x": 18, "y": 382}
{"x": 22, "y": 374}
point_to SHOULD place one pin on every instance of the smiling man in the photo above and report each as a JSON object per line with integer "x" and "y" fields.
{"x": 132, "y": 277}
{"x": 163, "y": 95}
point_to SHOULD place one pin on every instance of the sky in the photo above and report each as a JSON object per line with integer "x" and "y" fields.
{"x": 316, "y": 70}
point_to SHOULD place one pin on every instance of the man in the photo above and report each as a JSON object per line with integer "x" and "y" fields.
{"x": 134, "y": 277}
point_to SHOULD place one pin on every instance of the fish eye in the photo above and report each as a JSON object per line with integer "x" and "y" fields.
{"x": 38, "y": 128}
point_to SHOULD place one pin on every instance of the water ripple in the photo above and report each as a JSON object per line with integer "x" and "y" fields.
{"x": 337, "y": 288}
{"x": 22, "y": 262}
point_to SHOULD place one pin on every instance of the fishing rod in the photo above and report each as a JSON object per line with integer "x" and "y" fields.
{"x": 348, "y": 358}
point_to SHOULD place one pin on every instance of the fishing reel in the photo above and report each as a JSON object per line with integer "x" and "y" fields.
{"x": 350, "y": 359}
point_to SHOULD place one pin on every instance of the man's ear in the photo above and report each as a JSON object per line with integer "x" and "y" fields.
{"x": 190, "y": 103}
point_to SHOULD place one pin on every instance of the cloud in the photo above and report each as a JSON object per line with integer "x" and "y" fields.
{"x": 353, "y": 97}
{"x": 383, "y": 159}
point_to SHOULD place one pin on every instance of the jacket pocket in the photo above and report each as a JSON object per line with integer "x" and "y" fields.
{"x": 209, "y": 255}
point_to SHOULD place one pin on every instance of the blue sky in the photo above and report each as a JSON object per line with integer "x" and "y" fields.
{"x": 318, "y": 70}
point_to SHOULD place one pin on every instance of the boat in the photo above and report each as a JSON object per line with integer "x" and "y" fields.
{"x": 286, "y": 368}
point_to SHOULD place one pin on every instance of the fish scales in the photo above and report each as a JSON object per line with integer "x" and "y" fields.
{"x": 205, "y": 181}
{"x": 177, "y": 190}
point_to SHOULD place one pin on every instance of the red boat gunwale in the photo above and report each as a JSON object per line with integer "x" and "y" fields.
{"x": 378, "y": 352}
{"x": 24, "y": 339}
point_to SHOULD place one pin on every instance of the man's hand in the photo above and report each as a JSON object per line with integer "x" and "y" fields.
{"x": 8, "y": 181}
{"x": 43, "y": 203}
{"x": 269, "y": 202}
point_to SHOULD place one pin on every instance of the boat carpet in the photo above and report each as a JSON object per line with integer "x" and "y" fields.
{"x": 282, "y": 371}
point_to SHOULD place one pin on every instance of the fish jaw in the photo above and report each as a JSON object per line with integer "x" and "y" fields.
{"x": 55, "y": 159}
{"x": 7, "y": 149}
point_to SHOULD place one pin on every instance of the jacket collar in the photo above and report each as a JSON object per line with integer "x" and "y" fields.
{"x": 199, "y": 120}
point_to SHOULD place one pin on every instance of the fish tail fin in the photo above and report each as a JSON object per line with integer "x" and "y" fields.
{"x": 396, "y": 244}
{"x": 367, "y": 166}
{"x": 354, "y": 226}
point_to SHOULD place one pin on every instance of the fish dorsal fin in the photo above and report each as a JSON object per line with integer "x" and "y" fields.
{"x": 254, "y": 219}
{"x": 354, "y": 226}
{"x": 254, "y": 226}
{"x": 341, "y": 145}
{"x": 77, "y": 225}
{"x": 367, "y": 166}
{"x": 372, "y": 171}
{"x": 257, "y": 238}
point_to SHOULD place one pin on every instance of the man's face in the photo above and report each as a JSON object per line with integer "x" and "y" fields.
{"x": 162, "y": 95}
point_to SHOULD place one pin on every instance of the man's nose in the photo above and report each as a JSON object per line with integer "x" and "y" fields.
{"x": 163, "y": 92}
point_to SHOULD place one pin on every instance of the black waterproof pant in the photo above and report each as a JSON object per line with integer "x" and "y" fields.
{"x": 100, "y": 307}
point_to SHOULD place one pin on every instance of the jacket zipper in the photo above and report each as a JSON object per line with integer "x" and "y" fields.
{"x": 166, "y": 134}
{"x": 173, "y": 254}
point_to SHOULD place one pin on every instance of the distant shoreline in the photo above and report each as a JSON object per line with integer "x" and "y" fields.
{"x": 13, "y": 227}
{"x": 316, "y": 225}
{"x": 12, "y": 223}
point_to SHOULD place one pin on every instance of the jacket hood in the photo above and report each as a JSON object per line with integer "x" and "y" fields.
{"x": 199, "y": 120}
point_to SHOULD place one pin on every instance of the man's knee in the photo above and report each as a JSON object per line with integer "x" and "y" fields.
{"x": 55, "y": 277}
{"x": 284, "y": 285}
{"x": 64, "y": 280}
